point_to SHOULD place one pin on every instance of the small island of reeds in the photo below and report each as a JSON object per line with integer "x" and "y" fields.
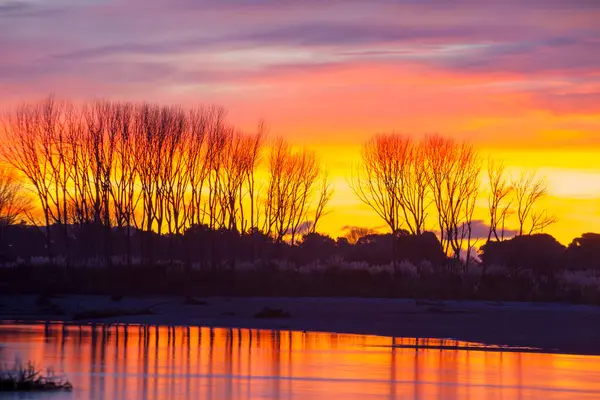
{"x": 28, "y": 378}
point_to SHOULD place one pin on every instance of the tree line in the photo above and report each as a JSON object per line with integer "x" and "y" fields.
{"x": 103, "y": 166}
{"x": 408, "y": 182}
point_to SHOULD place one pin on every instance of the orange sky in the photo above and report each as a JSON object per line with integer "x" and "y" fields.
{"x": 521, "y": 82}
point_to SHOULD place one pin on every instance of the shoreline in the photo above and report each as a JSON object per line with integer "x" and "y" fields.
{"x": 538, "y": 327}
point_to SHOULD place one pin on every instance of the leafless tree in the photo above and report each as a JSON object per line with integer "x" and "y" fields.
{"x": 199, "y": 121}
{"x": 415, "y": 187}
{"x": 55, "y": 149}
{"x": 324, "y": 196}
{"x": 254, "y": 148}
{"x": 499, "y": 201}
{"x": 529, "y": 191}
{"x": 174, "y": 173}
{"x": 393, "y": 181}
{"x": 454, "y": 170}
{"x": 235, "y": 164}
{"x": 104, "y": 124}
{"x": 123, "y": 191}
{"x": 78, "y": 161}
{"x": 105, "y": 164}
{"x": 23, "y": 148}
{"x": 377, "y": 181}
{"x": 14, "y": 202}
{"x": 149, "y": 133}
{"x": 292, "y": 183}
{"x": 217, "y": 140}
{"x": 303, "y": 173}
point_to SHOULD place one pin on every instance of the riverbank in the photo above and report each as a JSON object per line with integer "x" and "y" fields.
{"x": 550, "y": 327}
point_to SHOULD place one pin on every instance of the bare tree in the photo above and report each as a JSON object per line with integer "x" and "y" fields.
{"x": 377, "y": 181}
{"x": 198, "y": 122}
{"x": 323, "y": 198}
{"x": 235, "y": 164}
{"x": 55, "y": 150}
{"x": 78, "y": 161}
{"x": 106, "y": 164}
{"x": 254, "y": 148}
{"x": 415, "y": 187}
{"x": 454, "y": 170}
{"x": 14, "y": 203}
{"x": 393, "y": 181}
{"x": 150, "y": 137}
{"x": 529, "y": 191}
{"x": 23, "y": 148}
{"x": 104, "y": 122}
{"x": 174, "y": 173}
{"x": 124, "y": 174}
{"x": 217, "y": 139}
{"x": 304, "y": 172}
{"x": 499, "y": 201}
{"x": 293, "y": 177}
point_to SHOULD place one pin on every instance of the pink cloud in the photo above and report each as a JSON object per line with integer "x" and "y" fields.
{"x": 339, "y": 66}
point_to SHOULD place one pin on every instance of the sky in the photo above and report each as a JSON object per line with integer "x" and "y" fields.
{"x": 520, "y": 80}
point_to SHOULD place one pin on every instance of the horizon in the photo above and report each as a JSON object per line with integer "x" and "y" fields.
{"x": 518, "y": 82}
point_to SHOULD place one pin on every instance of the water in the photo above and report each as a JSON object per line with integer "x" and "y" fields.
{"x": 140, "y": 362}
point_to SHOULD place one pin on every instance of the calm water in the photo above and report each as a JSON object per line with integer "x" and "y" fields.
{"x": 136, "y": 362}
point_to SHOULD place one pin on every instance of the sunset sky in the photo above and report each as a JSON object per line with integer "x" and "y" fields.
{"x": 520, "y": 82}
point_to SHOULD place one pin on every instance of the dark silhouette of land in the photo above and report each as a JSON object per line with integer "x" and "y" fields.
{"x": 205, "y": 262}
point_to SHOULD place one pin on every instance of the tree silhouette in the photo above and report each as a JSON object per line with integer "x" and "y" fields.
{"x": 392, "y": 180}
{"x": 137, "y": 180}
{"x": 454, "y": 170}
{"x": 291, "y": 191}
{"x": 14, "y": 203}
{"x": 529, "y": 190}
{"x": 499, "y": 201}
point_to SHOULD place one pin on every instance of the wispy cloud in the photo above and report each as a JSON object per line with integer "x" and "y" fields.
{"x": 493, "y": 60}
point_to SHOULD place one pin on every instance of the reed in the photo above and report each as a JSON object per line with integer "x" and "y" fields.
{"x": 28, "y": 378}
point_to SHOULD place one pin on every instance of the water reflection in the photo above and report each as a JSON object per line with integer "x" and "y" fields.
{"x": 159, "y": 362}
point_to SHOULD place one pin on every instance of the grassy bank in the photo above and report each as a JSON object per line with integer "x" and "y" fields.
{"x": 404, "y": 280}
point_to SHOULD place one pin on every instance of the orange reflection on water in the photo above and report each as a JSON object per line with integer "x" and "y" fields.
{"x": 132, "y": 362}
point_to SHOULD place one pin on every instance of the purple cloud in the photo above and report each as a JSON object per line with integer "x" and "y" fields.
{"x": 480, "y": 230}
{"x": 213, "y": 42}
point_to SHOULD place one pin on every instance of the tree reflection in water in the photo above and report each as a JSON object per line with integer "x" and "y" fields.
{"x": 157, "y": 362}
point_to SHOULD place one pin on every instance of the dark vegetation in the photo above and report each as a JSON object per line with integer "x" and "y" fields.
{"x": 199, "y": 247}
{"x": 524, "y": 268}
{"x": 28, "y": 378}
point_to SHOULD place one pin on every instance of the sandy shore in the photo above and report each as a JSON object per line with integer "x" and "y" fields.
{"x": 550, "y": 327}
